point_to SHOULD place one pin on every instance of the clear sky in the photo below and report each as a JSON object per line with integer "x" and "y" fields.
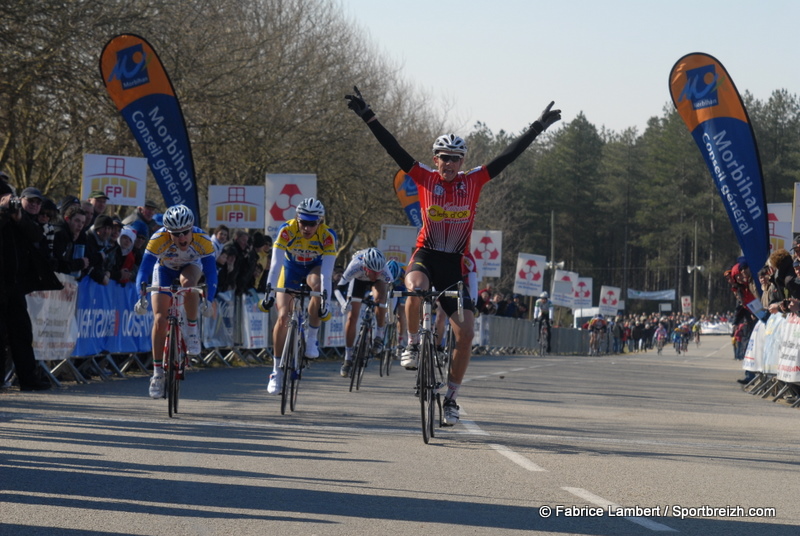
{"x": 502, "y": 61}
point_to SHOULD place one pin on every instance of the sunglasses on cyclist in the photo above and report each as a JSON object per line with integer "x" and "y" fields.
{"x": 308, "y": 223}
{"x": 448, "y": 157}
{"x": 180, "y": 233}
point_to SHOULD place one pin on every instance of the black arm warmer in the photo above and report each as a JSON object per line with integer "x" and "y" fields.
{"x": 385, "y": 138}
{"x": 512, "y": 152}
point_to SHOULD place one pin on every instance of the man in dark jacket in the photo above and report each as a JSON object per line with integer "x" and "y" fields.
{"x": 22, "y": 269}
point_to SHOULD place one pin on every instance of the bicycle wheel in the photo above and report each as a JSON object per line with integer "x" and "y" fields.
{"x": 286, "y": 366}
{"x": 386, "y": 354}
{"x": 358, "y": 358}
{"x": 426, "y": 389}
{"x": 543, "y": 341}
{"x": 364, "y": 358}
{"x": 297, "y": 374}
{"x": 171, "y": 370}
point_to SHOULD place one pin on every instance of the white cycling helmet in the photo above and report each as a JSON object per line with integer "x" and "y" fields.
{"x": 178, "y": 217}
{"x": 374, "y": 260}
{"x": 310, "y": 209}
{"x": 545, "y": 295}
{"x": 450, "y": 143}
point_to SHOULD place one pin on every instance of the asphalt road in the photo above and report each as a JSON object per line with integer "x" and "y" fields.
{"x": 554, "y": 445}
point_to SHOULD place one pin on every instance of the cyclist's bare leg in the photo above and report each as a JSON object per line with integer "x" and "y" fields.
{"x": 283, "y": 304}
{"x": 464, "y": 332}
{"x": 159, "y": 334}
{"x": 314, "y": 280}
{"x": 414, "y": 280}
{"x": 440, "y": 318}
{"x": 190, "y": 275}
{"x": 350, "y": 324}
{"x": 379, "y": 295}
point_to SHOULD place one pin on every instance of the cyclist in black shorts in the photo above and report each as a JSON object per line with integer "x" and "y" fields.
{"x": 448, "y": 198}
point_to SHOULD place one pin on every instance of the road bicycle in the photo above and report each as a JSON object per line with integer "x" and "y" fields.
{"x": 390, "y": 346}
{"x": 294, "y": 348}
{"x": 544, "y": 332}
{"x": 430, "y": 377}
{"x": 363, "y": 349}
{"x": 660, "y": 343}
{"x": 175, "y": 357}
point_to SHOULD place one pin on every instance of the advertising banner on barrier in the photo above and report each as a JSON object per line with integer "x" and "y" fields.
{"x": 753, "y": 356}
{"x": 333, "y": 330}
{"x": 255, "y": 323}
{"x": 106, "y": 321}
{"x": 789, "y": 351}
{"x": 236, "y": 206}
{"x": 529, "y": 279}
{"x": 709, "y": 103}
{"x": 218, "y": 328}
{"x": 52, "y": 315}
{"x": 141, "y": 89}
{"x": 283, "y": 192}
{"x": 122, "y": 178}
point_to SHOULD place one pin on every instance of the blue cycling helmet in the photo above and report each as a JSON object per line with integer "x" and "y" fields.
{"x": 395, "y": 268}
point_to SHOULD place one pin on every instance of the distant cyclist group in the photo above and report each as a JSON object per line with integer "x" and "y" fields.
{"x": 305, "y": 249}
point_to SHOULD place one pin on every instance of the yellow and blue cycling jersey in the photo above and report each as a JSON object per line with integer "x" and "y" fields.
{"x": 302, "y": 251}
{"x": 172, "y": 257}
{"x": 163, "y": 260}
{"x": 294, "y": 256}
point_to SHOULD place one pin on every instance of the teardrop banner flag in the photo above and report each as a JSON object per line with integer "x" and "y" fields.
{"x": 709, "y": 103}
{"x": 409, "y": 197}
{"x": 144, "y": 95}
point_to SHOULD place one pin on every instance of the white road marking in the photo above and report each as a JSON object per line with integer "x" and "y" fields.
{"x": 603, "y": 503}
{"x": 519, "y": 459}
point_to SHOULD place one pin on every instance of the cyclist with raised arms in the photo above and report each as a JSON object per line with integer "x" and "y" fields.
{"x": 543, "y": 312}
{"x": 448, "y": 198}
{"x": 178, "y": 250}
{"x": 304, "y": 252}
{"x": 367, "y": 271}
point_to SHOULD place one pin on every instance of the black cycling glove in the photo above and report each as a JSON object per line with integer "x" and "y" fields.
{"x": 547, "y": 118}
{"x": 356, "y": 103}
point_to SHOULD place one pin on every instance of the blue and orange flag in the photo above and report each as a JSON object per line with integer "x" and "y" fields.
{"x": 409, "y": 197}
{"x": 709, "y": 103}
{"x": 141, "y": 90}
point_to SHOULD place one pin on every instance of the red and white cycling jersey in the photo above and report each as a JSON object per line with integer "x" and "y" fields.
{"x": 448, "y": 208}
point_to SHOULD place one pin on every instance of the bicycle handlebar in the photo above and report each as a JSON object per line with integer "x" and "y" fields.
{"x": 433, "y": 295}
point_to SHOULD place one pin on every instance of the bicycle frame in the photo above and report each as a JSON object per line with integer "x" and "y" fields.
{"x": 363, "y": 343}
{"x": 293, "y": 359}
{"x": 174, "y": 357}
{"x": 427, "y": 381}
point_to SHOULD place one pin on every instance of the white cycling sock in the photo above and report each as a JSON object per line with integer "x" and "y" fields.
{"x": 348, "y": 353}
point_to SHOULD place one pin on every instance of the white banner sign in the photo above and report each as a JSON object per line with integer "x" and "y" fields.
{"x": 397, "y": 242}
{"x": 686, "y": 304}
{"x": 236, "y": 206}
{"x": 529, "y": 279}
{"x": 255, "y": 323}
{"x": 487, "y": 248}
{"x": 52, "y": 313}
{"x": 779, "y": 224}
{"x": 582, "y": 293}
{"x": 283, "y": 194}
{"x": 563, "y": 294}
{"x": 609, "y": 300}
{"x": 122, "y": 178}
